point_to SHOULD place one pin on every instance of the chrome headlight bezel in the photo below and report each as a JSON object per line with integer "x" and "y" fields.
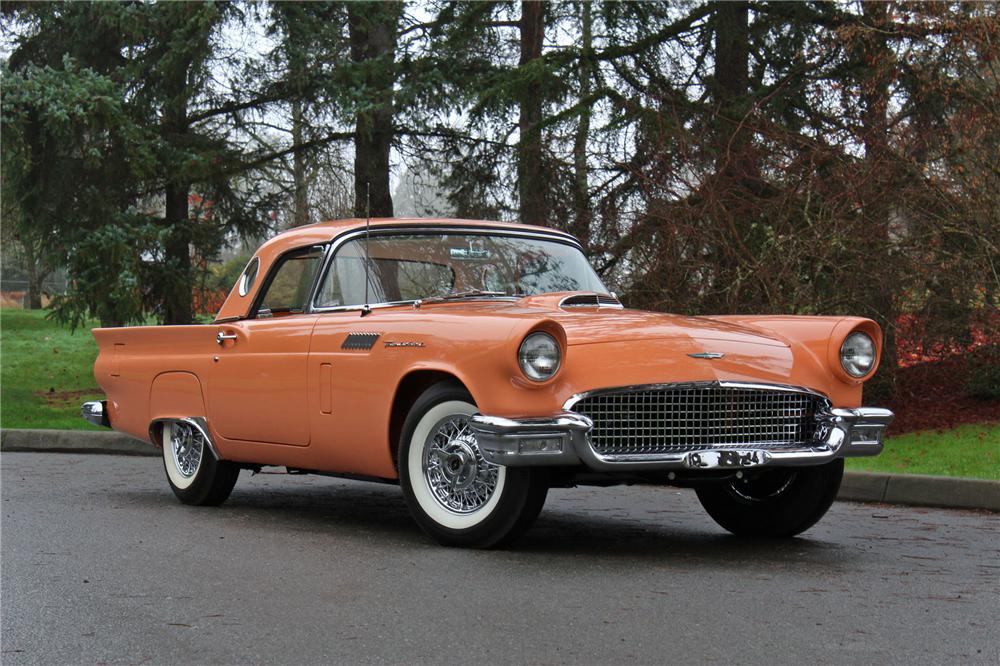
{"x": 530, "y": 352}
{"x": 858, "y": 354}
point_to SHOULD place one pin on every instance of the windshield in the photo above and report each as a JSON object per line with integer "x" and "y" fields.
{"x": 408, "y": 267}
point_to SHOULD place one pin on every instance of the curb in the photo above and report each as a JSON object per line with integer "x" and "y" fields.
{"x": 907, "y": 489}
{"x": 75, "y": 441}
{"x": 921, "y": 490}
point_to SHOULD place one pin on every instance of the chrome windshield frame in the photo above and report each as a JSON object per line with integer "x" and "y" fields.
{"x": 394, "y": 230}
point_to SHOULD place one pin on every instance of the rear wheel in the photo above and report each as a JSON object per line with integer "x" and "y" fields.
{"x": 776, "y": 502}
{"x": 193, "y": 473}
{"x": 454, "y": 494}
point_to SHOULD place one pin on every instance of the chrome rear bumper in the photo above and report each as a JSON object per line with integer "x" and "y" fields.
{"x": 96, "y": 412}
{"x": 562, "y": 440}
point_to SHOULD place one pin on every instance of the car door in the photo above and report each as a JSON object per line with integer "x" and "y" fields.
{"x": 358, "y": 356}
{"x": 258, "y": 387}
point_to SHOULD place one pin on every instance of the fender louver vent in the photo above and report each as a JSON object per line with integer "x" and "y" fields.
{"x": 362, "y": 341}
{"x": 591, "y": 300}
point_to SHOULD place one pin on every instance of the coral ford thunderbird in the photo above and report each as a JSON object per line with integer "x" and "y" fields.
{"x": 479, "y": 364}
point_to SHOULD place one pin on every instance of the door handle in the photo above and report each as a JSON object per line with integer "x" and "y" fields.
{"x": 222, "y": 337}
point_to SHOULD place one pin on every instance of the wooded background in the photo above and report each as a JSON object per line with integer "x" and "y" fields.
{"x": 765, "y": 157}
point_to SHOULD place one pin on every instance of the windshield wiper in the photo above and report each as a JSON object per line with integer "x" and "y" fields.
{"x": 468, "y": 293}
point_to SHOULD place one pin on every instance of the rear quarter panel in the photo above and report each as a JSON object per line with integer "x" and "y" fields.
{"x": 150, "y": 372}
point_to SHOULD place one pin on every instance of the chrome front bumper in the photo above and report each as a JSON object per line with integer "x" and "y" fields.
{"x": 562, "y": 440}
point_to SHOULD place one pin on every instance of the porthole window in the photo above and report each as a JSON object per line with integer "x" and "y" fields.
{"x": 249, "y": 275}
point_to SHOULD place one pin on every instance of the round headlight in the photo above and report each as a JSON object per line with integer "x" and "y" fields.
{"x": 857, "y": 354}
{"x": 539, "y": 356}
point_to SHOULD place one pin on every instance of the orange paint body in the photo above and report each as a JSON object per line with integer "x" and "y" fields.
{"x": 286, "y": 392}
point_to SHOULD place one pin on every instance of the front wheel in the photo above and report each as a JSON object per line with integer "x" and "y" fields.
{"x": 777, "y": 502}
{"x": 454, "y": 494}
{"x": 193, "y": 473}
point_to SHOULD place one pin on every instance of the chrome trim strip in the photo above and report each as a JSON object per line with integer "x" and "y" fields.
{"x": 199, "y": 422}
{"x": 390, "y": 229}
{"x": 96, "y": 412}
{"x": 577, "y": 397}
{"x": 244, "y": 285}
{"x": 318, "y": 280}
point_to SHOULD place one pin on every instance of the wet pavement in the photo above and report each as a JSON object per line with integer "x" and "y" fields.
{"x": 100, "y": 564}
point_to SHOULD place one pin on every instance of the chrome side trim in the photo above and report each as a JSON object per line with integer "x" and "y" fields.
{"x": 96, "y": 412}
{"x": 198, "y": 422}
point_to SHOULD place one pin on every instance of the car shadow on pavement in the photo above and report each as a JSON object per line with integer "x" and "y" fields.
{"x": 586, "y": 524}
{"x": 685, "y": 537}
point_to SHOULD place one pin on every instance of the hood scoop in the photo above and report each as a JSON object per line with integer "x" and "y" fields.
{"x": 591, "y": 301}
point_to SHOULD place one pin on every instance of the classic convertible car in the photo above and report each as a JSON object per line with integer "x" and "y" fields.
{"x": 479, "y": 364}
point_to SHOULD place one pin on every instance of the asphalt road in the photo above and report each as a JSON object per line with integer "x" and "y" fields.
{"x": 101, "y": 565}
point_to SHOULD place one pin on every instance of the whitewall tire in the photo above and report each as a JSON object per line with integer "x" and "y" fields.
{"x": 455, "y": 495}
{"x": 193, "y": 473}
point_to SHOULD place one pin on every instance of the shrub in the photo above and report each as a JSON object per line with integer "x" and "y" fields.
{"x": 984, "y": 374}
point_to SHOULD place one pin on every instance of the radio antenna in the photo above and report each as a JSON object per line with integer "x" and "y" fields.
{"x": 368, "y": 258}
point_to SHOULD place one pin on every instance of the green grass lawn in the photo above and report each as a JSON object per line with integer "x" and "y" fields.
{"x": 46, "y": 372}
{"x": 968, "y": 450}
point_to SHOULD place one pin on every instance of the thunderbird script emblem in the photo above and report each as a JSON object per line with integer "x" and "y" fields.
{"x": 707, "y": 355}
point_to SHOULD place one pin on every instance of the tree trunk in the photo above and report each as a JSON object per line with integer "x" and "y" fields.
{"x": 876, "y": 55}
{"x": 581, "y": 183}
{"x": 731, "y": 211}
{"x": 373, "y": 30}
{"x": 301, "y": 194}
{"x": 177, "y": 293}
{"x": 731, "y": 82}
{"x": 177, "y": 296}
{"x": 35, "y": 274}
{"x": 531, "y": 180}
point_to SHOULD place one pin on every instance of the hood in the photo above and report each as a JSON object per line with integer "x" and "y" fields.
{"x": 612, "y": 346}
{"x": 600, "y": 324}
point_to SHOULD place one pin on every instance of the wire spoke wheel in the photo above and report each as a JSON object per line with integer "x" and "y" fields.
{"x": 187, "y": 446}
{"x": 456, "y": 495}
{"x": 458, "y": 476}
{"x": 194, "y": 473}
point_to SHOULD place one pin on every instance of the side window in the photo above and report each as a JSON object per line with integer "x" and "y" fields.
{"x": 396, "y": 273}
{"x": 290, "y": 283}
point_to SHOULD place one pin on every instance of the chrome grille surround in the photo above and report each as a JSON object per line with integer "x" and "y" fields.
{"x": 669, "y": 419}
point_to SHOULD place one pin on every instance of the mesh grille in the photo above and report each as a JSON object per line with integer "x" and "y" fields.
{"x": 676, "y": 420}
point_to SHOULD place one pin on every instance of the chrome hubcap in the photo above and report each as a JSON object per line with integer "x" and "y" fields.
{"x": 458, "y": 476}
{"x": 187, "y": 445}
